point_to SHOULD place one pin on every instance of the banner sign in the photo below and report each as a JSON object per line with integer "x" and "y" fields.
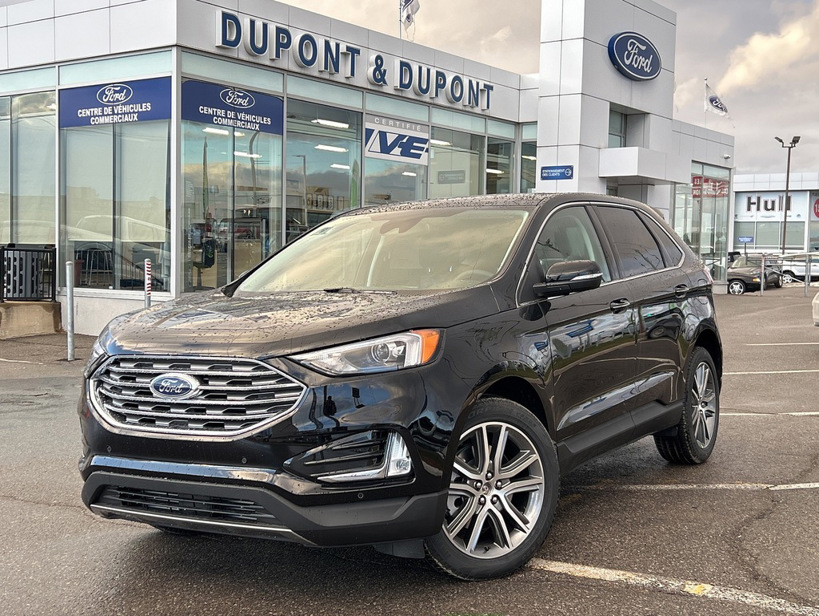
{"x": 560, "y": 172}
{"x": 770, "y": 206}
{"x": 396, "y": 140}
{"x": 228, "y": 107}
{"x": 116, "y": 103}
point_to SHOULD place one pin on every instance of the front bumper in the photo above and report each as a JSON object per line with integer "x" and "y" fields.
{"x": 190, "y": 497}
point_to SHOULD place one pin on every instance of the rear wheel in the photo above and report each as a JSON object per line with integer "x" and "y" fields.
{"x": 502, "y": 494}
{"x": 736, "y": 287}
{"x": 694, "y": 437}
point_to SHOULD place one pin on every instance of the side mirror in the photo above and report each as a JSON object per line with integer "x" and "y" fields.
{"x": 569, "y": 277}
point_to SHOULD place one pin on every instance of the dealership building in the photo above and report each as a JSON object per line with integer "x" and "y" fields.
{"x": 206, "y": 135}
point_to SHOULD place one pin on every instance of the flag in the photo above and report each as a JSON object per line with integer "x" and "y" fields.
{"x": 408, "y": 10}
{"x": 713, "y": 103}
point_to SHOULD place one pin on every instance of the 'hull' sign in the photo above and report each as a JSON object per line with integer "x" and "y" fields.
{"x": 116, "y": 103}
{"x": 634, "y": 56}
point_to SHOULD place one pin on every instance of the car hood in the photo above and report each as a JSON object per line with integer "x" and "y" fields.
{"x": 286, "y": 323}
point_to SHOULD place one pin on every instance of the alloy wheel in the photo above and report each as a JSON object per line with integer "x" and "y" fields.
{"x": 736, "y": 288}
{"x": 496, "y": 493}
{"x": 704, "y": 401}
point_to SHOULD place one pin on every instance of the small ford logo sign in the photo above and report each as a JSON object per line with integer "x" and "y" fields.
{"x": 114, "y": 94}
{"x": 237, "y": 98}
{"x": 634, "y": 56}
{"x": 174, "y": 386}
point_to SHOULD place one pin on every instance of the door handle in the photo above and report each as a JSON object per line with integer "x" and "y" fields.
{"x": 619, "y": 304}
{"x": 681, "y": 290}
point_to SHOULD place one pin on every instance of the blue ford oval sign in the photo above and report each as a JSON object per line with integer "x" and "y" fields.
{"x": 174, "y": 386}
{"x": 237, "y": 98}
{"x": 634, "y": 56}
{"x": 115, "y": 94}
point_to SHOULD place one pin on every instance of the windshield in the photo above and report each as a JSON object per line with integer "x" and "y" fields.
{"x": 417, "y": 249}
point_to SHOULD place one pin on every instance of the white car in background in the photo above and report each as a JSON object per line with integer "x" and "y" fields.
{"x": 816, "y": 310}
{"x": 794, "y": 268}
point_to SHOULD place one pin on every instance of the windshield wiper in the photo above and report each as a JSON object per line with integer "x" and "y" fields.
{"x": 352, "y": 290}
{"x": 341, "y": 290}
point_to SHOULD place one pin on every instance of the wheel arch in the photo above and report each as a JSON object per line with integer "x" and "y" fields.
{"x": 520, "y": 391}
{"x": 708, "y": 340}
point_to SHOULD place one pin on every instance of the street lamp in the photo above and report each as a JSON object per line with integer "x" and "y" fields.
{"x": 789, "y": 146}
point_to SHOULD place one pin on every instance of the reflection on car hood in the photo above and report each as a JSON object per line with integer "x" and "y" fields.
{"x": 285, "y": 323}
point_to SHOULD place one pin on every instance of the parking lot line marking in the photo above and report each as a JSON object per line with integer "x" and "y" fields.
{"x": 670, "y": 487}
{"x": 791, "y": 414}
{"x": 674, "y": 586}
{"x": 770, "y": 372}
{"x": 797, "y": 486}
{"x": 779, "y": 343}
{"x": 19, "y": 361}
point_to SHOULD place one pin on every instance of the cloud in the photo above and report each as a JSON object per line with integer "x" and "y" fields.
{"x": 765, "y": 56}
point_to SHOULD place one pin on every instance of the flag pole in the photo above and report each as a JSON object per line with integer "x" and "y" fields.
{"x": 705, "y": 109}
{"x": 400, "y": 35}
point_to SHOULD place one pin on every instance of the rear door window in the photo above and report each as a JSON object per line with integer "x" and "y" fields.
{"x": 634, "y": 247}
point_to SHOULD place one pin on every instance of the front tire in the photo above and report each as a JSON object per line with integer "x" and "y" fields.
{"x": 694, "y": 437}
{"x": 736, "y": 287}
{"x": 502, "y": 495}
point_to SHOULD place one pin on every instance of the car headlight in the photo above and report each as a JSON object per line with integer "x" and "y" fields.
{"x": 395, "y": 352}
{"x": 97, "y": 356}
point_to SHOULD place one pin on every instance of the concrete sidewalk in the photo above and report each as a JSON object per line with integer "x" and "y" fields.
{"x": 43, "y": 356}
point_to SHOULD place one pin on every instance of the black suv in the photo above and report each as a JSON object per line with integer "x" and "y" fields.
{"x": 415, "y": 377}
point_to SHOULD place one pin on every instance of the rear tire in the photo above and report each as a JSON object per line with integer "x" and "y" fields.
{"x": 695, "y": 435}
{"x": 502, "y": 496}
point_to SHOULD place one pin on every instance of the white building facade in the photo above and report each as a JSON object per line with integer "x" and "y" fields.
{"x": 206, "y": 135}
{"x": 758, "y": 213}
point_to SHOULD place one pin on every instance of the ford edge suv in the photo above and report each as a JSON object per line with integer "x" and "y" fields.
{"x": 415, "y": 377}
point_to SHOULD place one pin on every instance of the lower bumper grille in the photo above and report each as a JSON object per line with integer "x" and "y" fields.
{"x": 192, "y": 507}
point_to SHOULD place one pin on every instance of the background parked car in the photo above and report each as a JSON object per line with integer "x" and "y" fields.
{"x": 794, "y": 268}
{"x": 745, "y": 274}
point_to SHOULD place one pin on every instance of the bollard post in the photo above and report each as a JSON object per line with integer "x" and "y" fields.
{"x": 69, "y": 308}
{"x": 763, "y": 277}
{"x": 808, "y": 259}
{"x": 147, "y": 283}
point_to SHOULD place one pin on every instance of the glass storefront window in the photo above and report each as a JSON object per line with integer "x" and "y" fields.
{"x": 323, "y": 164}
{"x": 795, "y": 235}
{"x": 767, "y": 236}
{"x": 701, "y": 215}
{"x": 5, "y": 165}
{"x": 499, "y": 156}
{"x": 33, "y": 138}
{"x": 528, "y": 166}
{"x": 456, "y": 164}
{"x": 388, "y": 182}
{"x": 231, "y": 173}
{"x": 813, "y": 240}
{"x": 117, "y": 204}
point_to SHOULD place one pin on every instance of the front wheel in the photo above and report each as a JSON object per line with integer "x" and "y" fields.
{"x": 736, "y": 287}
{"x": 694, "y": 437}
{"x": 502, "y": 494}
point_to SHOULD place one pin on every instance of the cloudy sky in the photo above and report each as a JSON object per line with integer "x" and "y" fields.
{"x": 761, "y": 57}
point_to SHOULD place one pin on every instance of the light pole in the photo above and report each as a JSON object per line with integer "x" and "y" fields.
{"x": 789, "y": 146}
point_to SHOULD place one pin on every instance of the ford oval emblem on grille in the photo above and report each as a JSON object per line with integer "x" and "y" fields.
{"x": 174, "y": 386}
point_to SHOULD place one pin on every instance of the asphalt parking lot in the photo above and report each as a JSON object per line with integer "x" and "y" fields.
{"x": 633, "y": 535}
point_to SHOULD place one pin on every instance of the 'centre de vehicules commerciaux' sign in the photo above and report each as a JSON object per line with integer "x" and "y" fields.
{"x": 116, "y": 103}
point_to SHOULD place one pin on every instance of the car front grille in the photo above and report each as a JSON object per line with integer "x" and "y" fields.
{"x": 191, "y": 507}
{"x": 233, "y": 398}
